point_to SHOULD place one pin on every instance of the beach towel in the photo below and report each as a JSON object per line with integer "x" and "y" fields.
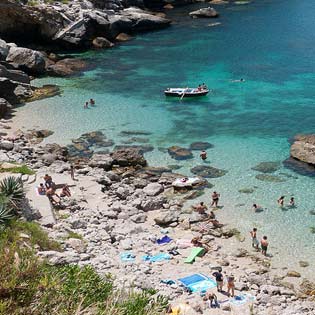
{"x": 157, "y": 257}
{"x": 195, "y": 252}
{"x": 164, "y": 240}
{"x": 197, "y": 283}
{"x": 127, "y": 256}
{"x": 242, "y": 299}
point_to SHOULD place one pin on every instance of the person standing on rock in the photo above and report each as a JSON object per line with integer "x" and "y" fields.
{"x": 215, "y": 199}
{"x": 264, "y": 245}
{"x": 255, "y": 242}
{"x": 203, "y": 155}
{"x": 281, "y": 201}
{"x": 230, "y": 285}
{"x": 72, "y": 172}
{"x": 219, "y": 279}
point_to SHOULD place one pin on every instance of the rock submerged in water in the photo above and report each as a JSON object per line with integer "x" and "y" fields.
{"x": 141, "y": 148}
{"x": 246, "y": 190}
{"x": 179, "y": 153}
{"x": 204, "y": 13}
{"x": 208, "y": 171}
{"x": 303, "y": 148}
{"x": 270, "y": 178}
{"x": 299, "y": 167}
{"x": 267, "y": 167}
{"x": 200, "y": 146}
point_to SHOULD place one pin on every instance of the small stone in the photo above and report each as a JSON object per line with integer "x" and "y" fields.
{"x": 293, "y": 273}
{"x": 303, "y": 263}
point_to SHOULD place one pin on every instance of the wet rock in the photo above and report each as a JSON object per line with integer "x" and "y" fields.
{"x": 37, "y": 136}
{"x": 28, "y": 60}
{"x": 134, "y": 133}
{"x": 101, "y": 42}
{"x": 267, "y": 167}
{"x": 179, "y": 153}
{"x": 312, "y": 212}
{"x": 153, "y": 189}
{"x": 66, "y": 67}
{"x": 128, "y": 157}
{"x": 174, "y": 167}
{"x": 200, "y": 146}
{"x": 293, "y": 273}
{"x": 123, "y": 37}
{"x": 270, "y": 178}
{"x": 46, "y": 91}
{"x": 303, "y": 264}
{"x": 246, "y": 190}
{"x": 204, "y": 13}
{"x": 299, "y": 167}
{"x": 208, "y": 171}
{"x": 136, "y": 139}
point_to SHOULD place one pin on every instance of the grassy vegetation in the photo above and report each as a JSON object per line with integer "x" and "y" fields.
{"x": 19, "y": 169}
{"x": 31, "y": 286}
{"x": 74, "y": 235}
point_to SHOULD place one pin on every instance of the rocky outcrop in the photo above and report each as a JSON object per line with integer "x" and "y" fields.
{"x": 303, "y": 148}
{"x": 66, "y": 67}
{"x": 204, "y": 13}
{"x": 74, "y": 25}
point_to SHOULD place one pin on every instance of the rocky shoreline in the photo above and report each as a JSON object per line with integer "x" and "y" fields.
{"x": 120, "y": 204}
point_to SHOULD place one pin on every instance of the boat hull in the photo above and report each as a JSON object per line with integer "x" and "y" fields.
{"x": 182, "y": 93}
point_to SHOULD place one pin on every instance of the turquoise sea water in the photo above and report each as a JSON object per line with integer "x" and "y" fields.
{"x": 271, "y": 44}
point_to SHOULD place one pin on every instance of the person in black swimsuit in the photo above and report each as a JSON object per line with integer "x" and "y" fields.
{"x": 219, "y": 279}
{"x": 215, "y": 199}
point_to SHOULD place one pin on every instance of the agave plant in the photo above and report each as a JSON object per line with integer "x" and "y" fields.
{"x": 6, "y": 213}
{"x": 11, "y": 189}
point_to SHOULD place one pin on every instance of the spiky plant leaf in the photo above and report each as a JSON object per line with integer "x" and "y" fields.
{"x": 12, "y": 188}
{"x": 6, "y": 214}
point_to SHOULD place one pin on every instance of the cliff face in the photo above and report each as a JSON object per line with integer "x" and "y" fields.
{"x": 73, "y": 25}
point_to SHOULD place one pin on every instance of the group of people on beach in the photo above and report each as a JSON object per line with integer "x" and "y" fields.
{"x": 49, "y": 188}
{"x": 91, "y": 103}
{"x": 255, "y": 243}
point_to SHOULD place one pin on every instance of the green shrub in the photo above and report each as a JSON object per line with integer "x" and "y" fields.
{"x": 20, "y": 169}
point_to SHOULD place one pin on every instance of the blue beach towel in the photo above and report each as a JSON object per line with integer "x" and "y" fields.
{"x": 157, "y": 257}
{"x": 127, "y": 256}
{"x": 198, "y": 283}
{"x": 164, "y": 240}
{"x": 242, "y": 299}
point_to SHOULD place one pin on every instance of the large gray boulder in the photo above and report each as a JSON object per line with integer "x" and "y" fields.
{"x": 303, "y": 148}
{"x": 204, "y": 13}
{"x": 28, "y": 60}
{"x": 153, "y": 189}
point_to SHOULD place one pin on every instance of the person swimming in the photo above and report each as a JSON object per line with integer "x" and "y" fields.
{"x": 239, "y": 80}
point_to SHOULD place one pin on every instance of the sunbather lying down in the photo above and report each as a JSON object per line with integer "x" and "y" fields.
{"x": 198, "y": 242}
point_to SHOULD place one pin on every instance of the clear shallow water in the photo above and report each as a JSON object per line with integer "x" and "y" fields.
{"x": 271, "y": 44}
